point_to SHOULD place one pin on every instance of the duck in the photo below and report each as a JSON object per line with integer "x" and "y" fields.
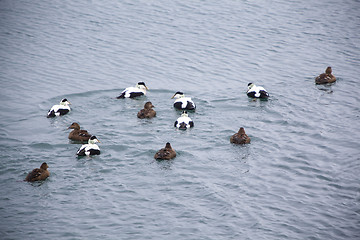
{"x": 59, "y": 109}
{"x": 147, "y": 112}
{"x": 77, "y": 134}
{"x": 38, "y": 174}
{"x": 326, "y": 77}
{"x": 184, "y": 121}
{"x": 256, "y": 91}
{"x": 132, "y": 92}
{"x": 90, "y": 148}
{"x": 182, "y": 102}
{"x": 165, "y": 153}
{"x": 240, "y": 137}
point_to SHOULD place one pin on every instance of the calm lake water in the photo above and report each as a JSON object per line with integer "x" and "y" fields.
{"x": 298, "y": 179}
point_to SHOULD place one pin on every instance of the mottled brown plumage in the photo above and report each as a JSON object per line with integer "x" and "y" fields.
{"x": 38, "y": 174}
{"x": 240, "y": 137}
{"x": 165, "y": 153}
{"x": 147, "y": 112}
{"x": 77, "y": 134}
{"x": 326, "y": 77}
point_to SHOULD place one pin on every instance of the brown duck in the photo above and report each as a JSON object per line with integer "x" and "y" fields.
{"x": 38, "y": 174}
{"x": 326, "y": 77}
{"x": 77, "y": 134}
{"x": 147, "y": 112}
{"x": 165, "y": 153}
{"x": 240, "y": 137}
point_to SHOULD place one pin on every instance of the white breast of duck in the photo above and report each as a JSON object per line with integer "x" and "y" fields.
{"x": 256, "y": 91}
{"x": 132, "y": 92}
{"x": 89, "y": 149}
{"x": 182, "y": 102}
{"x": 60, "y": 109}
{"x": 184, "y": 122}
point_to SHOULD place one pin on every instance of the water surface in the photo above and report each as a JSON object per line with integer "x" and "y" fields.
{"x": 298, "y": 179}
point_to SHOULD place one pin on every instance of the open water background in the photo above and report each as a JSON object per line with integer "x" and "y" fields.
{"x": 299, "y": 177}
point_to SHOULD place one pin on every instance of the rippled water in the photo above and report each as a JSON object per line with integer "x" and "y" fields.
{"x": 298, "y": 179}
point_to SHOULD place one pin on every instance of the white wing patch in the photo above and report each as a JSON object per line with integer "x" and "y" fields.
{"x": 130, "y": 90}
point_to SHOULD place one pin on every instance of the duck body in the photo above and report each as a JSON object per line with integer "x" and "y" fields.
{"x": 326, "y": 77}
{"x": 59, "y": 109}
{"x": 256, "y": 91}
{"x": 240, "y": 137}
{"x": 182, "y": 102}
{"x": 89, "y": 149}
{"x": 78, "y": 134}
{"x": 38, "y": 174}
{"x": 184, "y": 122}
{"x": 165, "y": 153}
{"x": 147, "y": 112}
{"x": 132, "y": 92}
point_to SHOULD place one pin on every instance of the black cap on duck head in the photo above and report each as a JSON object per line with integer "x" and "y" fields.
{"x": 93, "y": 139}
{"x": 44, "y": 166}
{"x": 328, "y": 70}
{"x": 167, "y": 145}
{"x": 142, "y": 84}
{"x": 178, "y": 95}
{"x": 242, "y": 130}
{"x": 250, "y": 85}
{"x": 64, "y": 101}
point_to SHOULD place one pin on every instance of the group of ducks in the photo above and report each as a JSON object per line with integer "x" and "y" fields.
{"x": 183, "y": 122}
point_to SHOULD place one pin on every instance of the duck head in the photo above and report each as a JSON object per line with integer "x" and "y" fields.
{"x": 74, "y": 125}
{"x": 168, "y": 145}
{"x": 93, "y": 140}
{"x": 250, "y": 85}
{"x": 141, "y": 85}
{"x": 148, "y": 105}
{"x": 241, "y": 131}
{"x": 64, "y": 102}
{"x": 178, "y": 95}
{"x": 184, "y": 114}
{"x": 44, "y": 166}
{"x": 328, "y": 70}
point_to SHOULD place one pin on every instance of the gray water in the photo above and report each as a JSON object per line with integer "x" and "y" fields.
{"x": 298, "y": 179}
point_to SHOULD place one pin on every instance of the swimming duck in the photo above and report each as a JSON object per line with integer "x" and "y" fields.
{"x": 182, "y": 102}
{"x": 166, "y": 153}
{"x": 184, "y": 121}
{"x": 89, "y": 149}
{"x": 38, "y": 174}
{"x": 59, "y": 109}
{"x": 131, "y": 92}
{"x": 77, "y": 134}
{"x": 326, "y": 77}
{"x": 256, "y": 91}
{"x": 240, "y": 137}
{"x": 147, "y": 112}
